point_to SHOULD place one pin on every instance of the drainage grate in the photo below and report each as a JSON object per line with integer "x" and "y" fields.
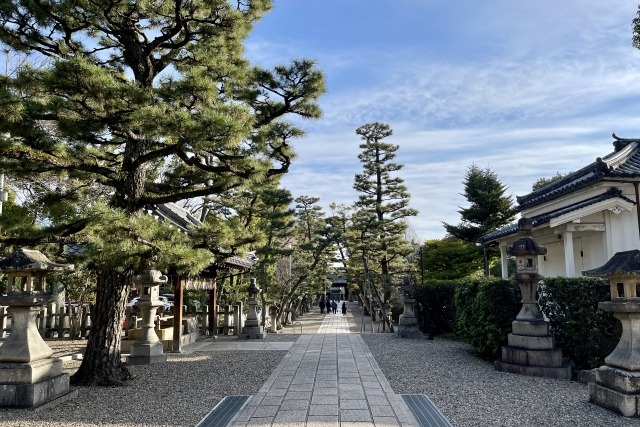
{"x": 425, "y": 411}
{"x": 224, "y": 411}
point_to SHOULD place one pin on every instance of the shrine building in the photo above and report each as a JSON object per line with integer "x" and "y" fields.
{"x": 584, "y": 218}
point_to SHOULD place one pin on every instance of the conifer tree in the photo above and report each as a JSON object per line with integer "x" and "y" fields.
{"x": 154, "y": 102}
{"x": 382, "y": 205}
{"x": 489, "y": 208}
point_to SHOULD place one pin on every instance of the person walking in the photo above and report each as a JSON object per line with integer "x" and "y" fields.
{"x": 322, "y": 306}
{"x": 344, "y": 308}
{"x": 334, "y": 306}
{"x": 328, "y": 305}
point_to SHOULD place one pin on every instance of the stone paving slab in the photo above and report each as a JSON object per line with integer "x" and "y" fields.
{"x": 300, "y": 392}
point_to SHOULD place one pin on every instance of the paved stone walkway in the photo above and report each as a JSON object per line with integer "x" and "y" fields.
{"x": 335, "y": 323}
{"x": 326, "y": 380}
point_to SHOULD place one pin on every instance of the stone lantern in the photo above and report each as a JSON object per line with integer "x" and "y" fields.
{"x": 531, "y": 348}
{"x": 252, "y": 328}
{"x": 408, "y": 326}
{"x": 148, "y": 348}
{"x": 617, "y": 385}
{"x": 29, "y": 376}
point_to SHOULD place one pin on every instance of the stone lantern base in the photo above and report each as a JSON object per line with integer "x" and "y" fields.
{"x": 146, "y": 354}
{"x": 253, "y": 333}
{"x": 531, "y": 351}
{"x": 616, "y": 389}
{"x": 27, "y": 385}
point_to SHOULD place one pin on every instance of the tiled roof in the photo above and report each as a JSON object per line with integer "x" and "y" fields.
{"x": 546, "y": 217}
{"x": 174, "y": 214}
{"x": 624, "y": 162}
{"x": 27, "y": 259}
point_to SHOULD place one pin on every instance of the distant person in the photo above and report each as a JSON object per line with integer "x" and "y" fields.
{"x": 344, "y": 308}
{"x": 334, "y": 306}
{"x": 322, "y": 306}
{"x": 328, "y": 305}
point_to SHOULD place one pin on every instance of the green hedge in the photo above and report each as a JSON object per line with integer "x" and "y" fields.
{"x": 485, "y": 309}
{"x": 585, "y": 333}
{"x": 437, "y": 307}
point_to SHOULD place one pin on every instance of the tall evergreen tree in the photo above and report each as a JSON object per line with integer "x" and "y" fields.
{"x": 153, "y": 101}
{"x": 384, "y": 199}
{"x": 489, "y": 208}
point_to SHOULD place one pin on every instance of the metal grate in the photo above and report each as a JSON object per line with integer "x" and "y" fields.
{"x": 224, "y": 411}
{"x": 425, "y": 411}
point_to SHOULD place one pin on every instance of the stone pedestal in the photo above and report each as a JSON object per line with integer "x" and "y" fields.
{"x": 531, "y": 351}
{"x": 617, "y": 385}
{"x": 148, "y": 349}
{"x": 29, "y": 376}
{"x": 252, "y": 328}
{"x": 408, "y": 326}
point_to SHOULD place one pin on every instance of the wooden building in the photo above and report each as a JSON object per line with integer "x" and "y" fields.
{"x": 584, "y": 218}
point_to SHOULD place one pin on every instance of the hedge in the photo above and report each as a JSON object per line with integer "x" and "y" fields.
{"x": 437, "y": 308}
{"x": 485, "y": 309}
{"x": 585, "y": 333}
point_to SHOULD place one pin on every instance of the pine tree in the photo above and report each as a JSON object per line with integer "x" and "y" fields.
{"x": 489, "y": 208}
{"x": 382, "y": 205}
{"x": 154, "y": 102}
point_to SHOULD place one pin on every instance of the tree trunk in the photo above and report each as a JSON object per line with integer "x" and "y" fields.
{"x": 101, "y": 364}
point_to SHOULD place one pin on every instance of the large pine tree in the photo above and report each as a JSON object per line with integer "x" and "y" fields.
{"x": 152, "y": 100}
{"x": 382, "y": 205}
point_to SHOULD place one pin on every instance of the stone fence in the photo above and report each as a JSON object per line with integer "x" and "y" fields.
{"x": 55, "y": 322}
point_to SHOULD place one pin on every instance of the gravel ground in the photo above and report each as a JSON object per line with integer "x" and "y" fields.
{"x": 469, "y": 392}
{"x": 177, "y": 393}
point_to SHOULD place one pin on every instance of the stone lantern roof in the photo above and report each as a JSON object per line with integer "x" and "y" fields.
{"x": 27, "y": 259}
{"x": 621, "y": 264}
{"x": 525, "y": 245}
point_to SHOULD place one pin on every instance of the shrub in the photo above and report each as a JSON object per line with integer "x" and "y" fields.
{"x": 585, "y": 333}
{"x": 485, "y": 309}
{"x": 437, "y": 308}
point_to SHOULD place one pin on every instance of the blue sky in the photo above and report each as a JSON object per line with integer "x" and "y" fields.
{"x": 526, "y": 88}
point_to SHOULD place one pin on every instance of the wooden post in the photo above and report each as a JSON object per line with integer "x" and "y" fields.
{"x": 177, "y": 314}
{"x": 213, "y": 310}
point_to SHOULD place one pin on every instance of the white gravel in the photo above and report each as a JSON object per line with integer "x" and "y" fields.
{"x": 469, "y": 392}
{"x": 177, "y": 393}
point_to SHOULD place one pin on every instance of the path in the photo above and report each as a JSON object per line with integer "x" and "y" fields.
{"x": 335, "y": 323}
{"x": 326, "y": 380}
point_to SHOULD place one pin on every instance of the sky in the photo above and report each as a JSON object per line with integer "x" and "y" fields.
{"x": 527, "y": 89}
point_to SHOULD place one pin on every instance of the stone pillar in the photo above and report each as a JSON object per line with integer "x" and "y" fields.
{"x": 504, "y": 261}
{"x": 3, "y": 322}
{"x": 569, "y": 263}
{"x": 240, "y": 323}
{"x": 227, "y": 320}
{"x": 252, "y": 328}
{"x": 148, "y": 349}
{"x": 531, "y": 348}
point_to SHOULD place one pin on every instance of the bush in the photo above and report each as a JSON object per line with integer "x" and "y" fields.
{"x": 437, "y": 308}
{"x": 585, "y": 333}
{"x": 485, "y": 309}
